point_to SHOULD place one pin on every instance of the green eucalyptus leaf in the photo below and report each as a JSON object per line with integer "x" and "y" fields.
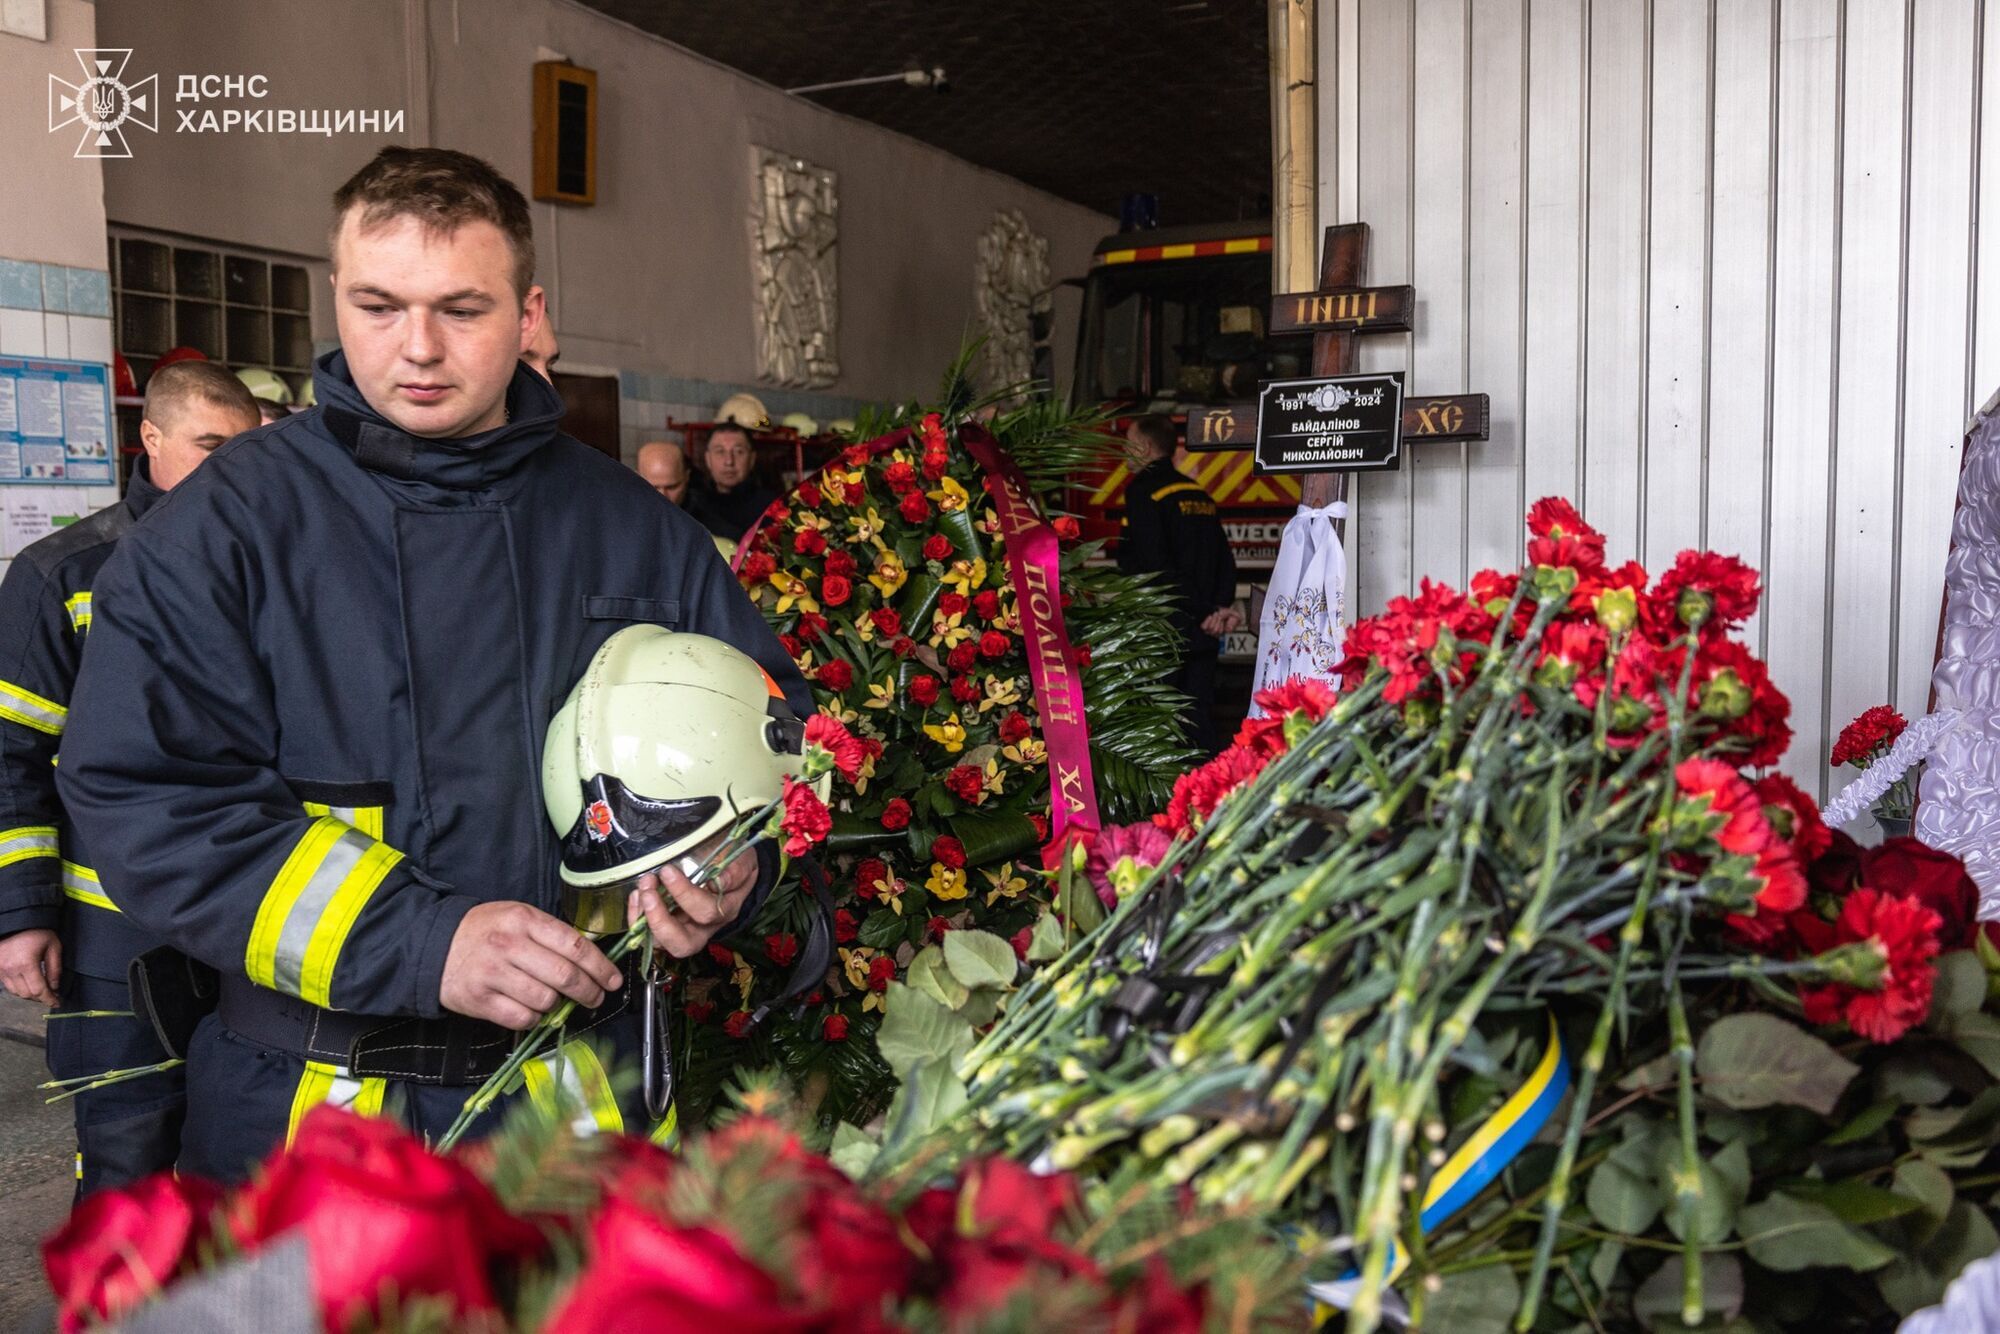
{"x": 1755, "y": 1060}
{"x": 1905, "y": 1077}
{"x": 1929, "y": 1185}
{"x": 1712, "y": 1214}
{"x": 853, "y": 1150}
{"x": 927, "y": 973}
{"x": 1978, "y": 1036}
{"x": 1475, "y": 1301}
{"x": 1786, "y": 1233}
{"x": 930, "y": 1097}
{"x": 916, "y": 1028}
{"x": 982, "y": 1007}
{"x": 1854, "y": 1201}
{"x": 1045, "y": 942}
{"x": 1865, "y": 1123}
{"x": 980, "y": 959}
{"x": 1957, "y": 990}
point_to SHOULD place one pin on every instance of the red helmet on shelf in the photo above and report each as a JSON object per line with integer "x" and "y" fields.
{"x": 123, "y": 385}
{"x": 182, "y": 353}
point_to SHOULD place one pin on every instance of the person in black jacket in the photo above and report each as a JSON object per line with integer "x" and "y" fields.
{"x": 62, "y": 938}
{"x": 1171, "y": 529}
{"x": 309, "y": 741}
{"x": 729, "y": 499}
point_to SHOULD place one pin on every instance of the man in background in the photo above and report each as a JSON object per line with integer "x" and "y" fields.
{"x": 1171, "y": 529}
{"x": 541, "y": 351}
{"x": 665, "y": 469}
{"x": 732, "y": 500}
{"x": 62, "y": 939}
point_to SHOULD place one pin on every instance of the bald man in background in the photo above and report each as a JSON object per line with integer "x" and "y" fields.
{"x": 665, "y": 469}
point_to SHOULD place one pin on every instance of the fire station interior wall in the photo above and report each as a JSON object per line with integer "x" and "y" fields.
{"x": 1719, "y": 269}
{"x": 655, "y": 280}
{"x": 54, "y": 290}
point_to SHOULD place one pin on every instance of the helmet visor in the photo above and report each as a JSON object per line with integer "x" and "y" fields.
{"x": 618, "y": 827}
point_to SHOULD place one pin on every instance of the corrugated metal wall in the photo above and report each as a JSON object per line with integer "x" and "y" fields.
{"x": 1719, "y": 264}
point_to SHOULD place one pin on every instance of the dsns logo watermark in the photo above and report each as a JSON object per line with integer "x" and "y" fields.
{"x": 104, "y": 103}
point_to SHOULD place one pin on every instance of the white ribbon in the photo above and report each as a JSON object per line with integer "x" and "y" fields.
{"x": 1918, "y": 740}
{"x": 1305, "y": 609}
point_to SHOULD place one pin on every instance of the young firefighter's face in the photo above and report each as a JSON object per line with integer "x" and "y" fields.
{"x": 430, "y": 322}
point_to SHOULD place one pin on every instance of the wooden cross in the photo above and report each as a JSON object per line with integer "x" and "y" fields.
{"x": 1336, "y": 312}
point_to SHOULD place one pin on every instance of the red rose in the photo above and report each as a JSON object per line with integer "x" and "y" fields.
{"x": 986, "y": 603}
{"x": 953, "y": 604}
{"x": 757, "y": 567}
{"x": 834, "y": 590}
{"x": 996, "y": 1232}
{"x": 1067, "y": 528}
{"x": 913, "y": 507}
{"x": 881, "y": 972}
{"x": 844, "y": 928}
{"x": 937, "y": 547}
{"x": 932, "y": 428}
{"x": 119, "y": 1246}
{"x": 806, "y": 820}
{"x": 1868, "y": 736}
{"x": 840, "y": 563}
{"x": 1041, "y": 824}
{"x": 900, "y": 476}
{"x": 964, "y": 689}
{"x": 1911, "y": 869}
{"x": 810, "y": 627}
{"x": 904, "y": 646}
{"x": 924, "y": 689}
{"x": 949, "y": 851}
{"x": 782, "y": 948}
{"x": 896, "y": 815}
{"x": 379, "y": 1211}
{"x": 888, "y": 623}
{"x": 722, "y": 955}
{"x": 935, "y": 463}
{"x": 1082, "y": 656}
{"x": 936, "y": 928}
{"x": 737, "y": 1024}
{"x": 1014, "y": 727}
{"x": 809, "y": 542}
{"x": 791, "y": 645}
{"x": 1019, "y": 940}
{"x": 646, "y": 1274}
{"x": 834, "y": 1028}
{"x": 962, "y": 658}
{"x": 868, "y": 872}
{"x": 965, "y": 782}
{"x": 993, "y": 645}
{"x": 835, "y": 674}
{"x": 809, "y": 495}
{"x": 857, "y": 454}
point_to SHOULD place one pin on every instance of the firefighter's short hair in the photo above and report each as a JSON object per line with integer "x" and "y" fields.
{"x": 443, "y": 189}
{"x": 171, "y": 388}
{"x": 1157, "y": 430}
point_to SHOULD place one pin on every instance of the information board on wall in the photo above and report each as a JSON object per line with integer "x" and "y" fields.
{"x": 55, "y": 422}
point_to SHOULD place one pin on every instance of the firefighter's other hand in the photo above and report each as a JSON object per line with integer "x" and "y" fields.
{"x": 31, "y": 965}
{"x": 696, "y": 916}
{"x": 512, "y": 964}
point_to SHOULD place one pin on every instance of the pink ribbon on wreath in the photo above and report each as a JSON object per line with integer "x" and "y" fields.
{"x": 1034, "y": 563}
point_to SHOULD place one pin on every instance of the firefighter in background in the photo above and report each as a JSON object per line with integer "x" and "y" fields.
{"x": 1171, "y": 529}
{"x": 309, "y": 742}
{"x": 62, "y": 938}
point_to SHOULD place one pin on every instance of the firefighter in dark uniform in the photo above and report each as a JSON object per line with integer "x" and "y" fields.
{"x": 63, "y": 940}
{"x": 1171, "y": 529}
{"x": 347, "y": 637}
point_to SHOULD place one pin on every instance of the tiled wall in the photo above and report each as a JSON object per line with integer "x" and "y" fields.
{"x": 645, "y": 401}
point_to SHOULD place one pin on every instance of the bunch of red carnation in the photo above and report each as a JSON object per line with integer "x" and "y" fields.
{"x": 747, "y": 1230}
{"x": 1868, "y": 738}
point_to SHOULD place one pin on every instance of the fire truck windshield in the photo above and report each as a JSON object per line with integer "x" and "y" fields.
{"x": 1181, "y": 331}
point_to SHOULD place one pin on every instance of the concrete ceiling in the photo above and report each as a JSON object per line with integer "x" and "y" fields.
{"x": 1087, "y": 99}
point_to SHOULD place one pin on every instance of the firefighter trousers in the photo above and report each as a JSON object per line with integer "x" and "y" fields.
{"x": 130, "y": 1129}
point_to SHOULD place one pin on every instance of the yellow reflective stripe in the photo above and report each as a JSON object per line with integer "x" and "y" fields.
{"x": 368, "y": 819}
{"x": 79, "y": 1164}
{"x": 667, "y": 1134}
{"x": 25, "y": 841}
{"x": 1175, "y": 488}
{"x": 324, "y": 1083}
{"x": 81, "y": 883}
{"x": 31, "y": 710}
{"x": 352, "y": 895}
{"x": 78, "y": 607}
{"x": 571, "y": 1082}
{"x": 304, "y": 919}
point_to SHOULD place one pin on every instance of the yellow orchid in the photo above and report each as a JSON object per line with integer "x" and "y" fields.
{"x": 889, "y": 575}
{"x": 867, "y": 527}
{"x": 890, "y": 891}
{"x": 1001, "y": 692}
{"x": 995, "y": 778}
{"x": 792, "y": 591}
{"x": 1005, "y": 883}
{"x": 813, "y": 519}
{"x": 946, "y": 882}
{"x": 950, "y": 496}
{"x": 1029, "y": 751}
{"x": 744, "y": 977}
{"x": 884, "y": 695}
{"x": 854, "y": 963}
{"x": 965, "y": 575}
{"x": 949, "y": 734}
{"x": 864, "y": 774}
{"x": 949, "y": 631}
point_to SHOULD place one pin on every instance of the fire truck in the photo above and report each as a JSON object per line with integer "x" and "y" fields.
{"x": 1173, "y": 318}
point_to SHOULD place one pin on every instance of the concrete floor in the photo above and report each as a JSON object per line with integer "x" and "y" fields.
{"x": 36, "y": 1164}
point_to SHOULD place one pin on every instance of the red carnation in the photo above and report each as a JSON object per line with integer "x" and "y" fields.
{"x": 887, "y": 622}
{"x": 809, "y": 493}
{"x": 831, "y": 735}
{"x": 1862, "y": 741}
{"x": 1014, "y": 727}
{"x": 913, "y": 507}
{"x": 840, "y": 563}
{"x": 844, "y": 927}
{"x": 924, "y": 689}
{"x": 903, "y": 646}
{"x": 857, "y": 453}
{"x": 737, "y": 1024}
{"x": 993, "y": 645}
{"x": 937, "y": 547}
{"x": 1561, "y": 539}
{"x": 935, "y": 929}
{"x": 806, "y": 820}
{"x": 835, "y": 674}
{"x": 791, "y": 645}
{"x": 1795, "y": 816}
{"x": 834, "y": 1028}
{"x": 948, "y": 851}
{"x": 1020, "y": 941}
{"x": 965, "y": 782}
{"x": 1903, "y": 934}
{"x": 933, "y": 432}
{"x": 986, "y": 602}
{"x": 901, "y": 476}
{"x": 809, "y": 542}
{"x": 1041, "y": 824}
{"x": 1701, "y": 589}
{"x": 964, "y": 689}
{"x": 869, "y": 872}
{"x": 881, "y": 972}
{"x": 963, "y": 656}
{"x": 722, "y": 955}
{"x": 835, "y": 590}
{"x": 1067, "y": 528}
{"x": 1082, "y": 656}
{"x": 810, "y": 627}
{"x": 953, "y": 604}
{"x": 782, "y": 948}
{"x": 896, "y": 815}
{"x": 757, "y": 567}
{"x": 1911, "y": 869}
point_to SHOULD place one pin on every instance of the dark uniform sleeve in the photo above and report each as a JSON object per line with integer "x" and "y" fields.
{"x": 169, "y": 771}
{"x": 38, "y": 655}
{"x": 1142, "y": 544}
{"x": 1221, "y": 567}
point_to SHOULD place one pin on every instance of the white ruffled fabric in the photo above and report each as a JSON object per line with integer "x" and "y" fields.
{"x": 1971, "y": 1304}
{"x": 1958, "y": 798}
{"x": 1301, "y": 629}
